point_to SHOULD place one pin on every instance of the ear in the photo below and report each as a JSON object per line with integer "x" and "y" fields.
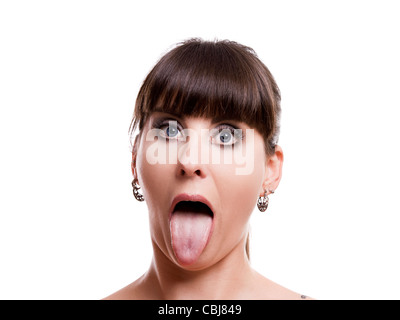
{"x": 134, "y": 155}
{"x": 273, "y": 171}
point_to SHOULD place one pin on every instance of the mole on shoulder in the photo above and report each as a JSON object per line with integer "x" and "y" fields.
{"x": 303, "y": 296}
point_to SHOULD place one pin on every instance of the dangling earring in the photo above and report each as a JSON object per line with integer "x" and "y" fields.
{"x": 136, "y": 187}
{"x": 262, "y": 202}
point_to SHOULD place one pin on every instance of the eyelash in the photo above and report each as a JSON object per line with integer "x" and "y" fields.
{"x": 235, "y": 132}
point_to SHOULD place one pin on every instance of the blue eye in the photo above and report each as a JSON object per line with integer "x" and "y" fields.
{"x": 172, "y": 131}
{"x": 168, "y": 129}
{"x": 225, "y": 135}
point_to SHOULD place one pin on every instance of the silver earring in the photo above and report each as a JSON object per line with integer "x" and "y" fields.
{"x": 136, "y": 187}
{"x": 262, "y": 202}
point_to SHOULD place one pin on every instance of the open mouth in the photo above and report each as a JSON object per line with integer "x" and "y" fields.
{"x": 191, "y": 226}
{"x": 194, "y": 207}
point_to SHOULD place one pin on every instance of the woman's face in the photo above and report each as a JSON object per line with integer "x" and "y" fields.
{"x": 198, "y": 159}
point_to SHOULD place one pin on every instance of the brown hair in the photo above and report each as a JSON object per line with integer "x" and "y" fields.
{"x": 214, "y": 79}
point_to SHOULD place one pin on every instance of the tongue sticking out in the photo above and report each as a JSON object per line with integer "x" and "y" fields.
{"x": 191, "y": 225}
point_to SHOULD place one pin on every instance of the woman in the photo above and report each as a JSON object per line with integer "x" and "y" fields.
{"x": 205, "y": 154}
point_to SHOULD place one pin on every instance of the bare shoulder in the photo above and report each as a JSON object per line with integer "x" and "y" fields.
{"x": 260, "y": 288}
{"x": 270, "y": 290}
{"x": 130, "y": 292}
{"x": 125, "y": 293}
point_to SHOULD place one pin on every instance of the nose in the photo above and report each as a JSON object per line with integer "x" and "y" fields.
{"x": 190, "y": 172}
{"x": 189, "y": 155}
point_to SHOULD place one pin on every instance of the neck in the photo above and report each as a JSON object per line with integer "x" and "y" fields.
{"x": 229, "y": 278}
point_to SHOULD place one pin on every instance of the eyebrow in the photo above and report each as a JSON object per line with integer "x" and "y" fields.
{"x": 214, "y": 120}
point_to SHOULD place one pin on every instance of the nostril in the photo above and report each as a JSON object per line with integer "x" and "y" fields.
{"x": 197, "y": 172}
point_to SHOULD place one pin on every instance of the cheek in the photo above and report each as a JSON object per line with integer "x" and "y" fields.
{"x": 246, "y": 177}
{"x": 239, "y": 192}
{"x": 154, "y": 180}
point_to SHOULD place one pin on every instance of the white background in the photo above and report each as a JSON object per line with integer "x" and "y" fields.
{"x": 69, "y": 74}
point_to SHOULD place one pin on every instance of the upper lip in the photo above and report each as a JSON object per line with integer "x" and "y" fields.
{"x": 188, "y": 197}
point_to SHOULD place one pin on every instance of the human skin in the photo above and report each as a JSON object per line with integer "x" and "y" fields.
{"x": 222, "y": 271}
